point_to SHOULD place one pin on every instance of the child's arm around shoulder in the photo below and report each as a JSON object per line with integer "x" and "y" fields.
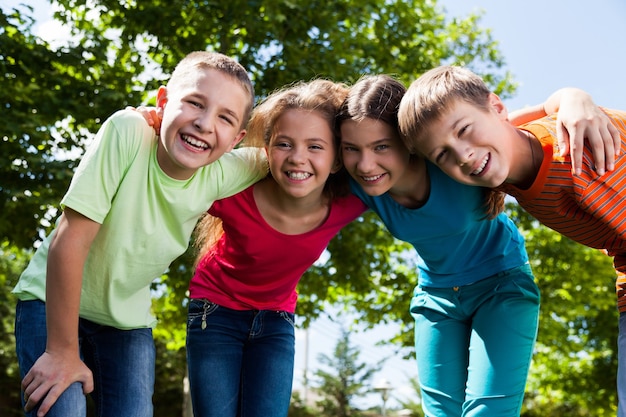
{"x": 578, "y": 118}
{"x": 60, "y": 365}
{"x": 241, "y": 168}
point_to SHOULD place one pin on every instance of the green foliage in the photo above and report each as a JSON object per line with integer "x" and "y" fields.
{"x": 54, "y": 99}
{"x": 12, "y": 261}
{"x": 284, "y": 41}
{"x": 51, "y": 99}
{"x": 297, "y": 407}
{"x": 414, "y": 405}
{"x": 575, "y": 362}
{"x": 169, "y": 376}
{"x": 343, "y": 379}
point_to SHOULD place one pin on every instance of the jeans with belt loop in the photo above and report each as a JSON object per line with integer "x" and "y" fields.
{"x": 240, "y": 362}
{"x": 474, "y": 344}
{"x": 121, "y": 361}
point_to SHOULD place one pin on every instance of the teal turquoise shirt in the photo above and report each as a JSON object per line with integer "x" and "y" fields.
{"x": 455, "y": 243}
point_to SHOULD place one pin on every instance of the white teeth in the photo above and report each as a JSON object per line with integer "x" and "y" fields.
{"x": 194, "y": 142}
{"x": 482, "y": 166}
{"x": 374, "y": 178}
{"x": 298, "y": 175}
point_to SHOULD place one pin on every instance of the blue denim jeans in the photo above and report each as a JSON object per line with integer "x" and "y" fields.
{"x": 474, "y": 344}
{"x": 240, "y": 362}
{"x": 122, "y": 363}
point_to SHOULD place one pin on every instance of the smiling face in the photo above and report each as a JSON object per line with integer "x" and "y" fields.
{"x": 301, "y": 153}
{"x": 474, "y": 146}
{"x": 202, "y": 118}
{"x": 373, "y": 154}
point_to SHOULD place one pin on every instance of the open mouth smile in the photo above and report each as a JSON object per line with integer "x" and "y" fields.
{"x": 195, "y": 143}
{"x": 482, "y": 165}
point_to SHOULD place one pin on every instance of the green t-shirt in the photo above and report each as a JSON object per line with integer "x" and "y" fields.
{"x": 146, "y": 218}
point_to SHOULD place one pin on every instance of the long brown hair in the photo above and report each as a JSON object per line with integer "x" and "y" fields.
{"x": 380, "y": 97}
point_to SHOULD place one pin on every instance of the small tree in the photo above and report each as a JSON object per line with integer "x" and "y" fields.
{"x": 297, "y": 407}
{"x": 347, "y": 379}
{"x": 415, "y": 407}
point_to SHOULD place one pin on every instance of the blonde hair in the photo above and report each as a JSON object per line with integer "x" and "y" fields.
{"x": 205, "y": 60}
{"x": 206, "y": 235}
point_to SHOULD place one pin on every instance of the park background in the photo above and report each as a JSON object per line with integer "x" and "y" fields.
{"x": 540, "y": 47}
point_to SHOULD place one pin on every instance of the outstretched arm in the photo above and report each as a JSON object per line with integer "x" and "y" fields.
{"x": 578, "y": 118}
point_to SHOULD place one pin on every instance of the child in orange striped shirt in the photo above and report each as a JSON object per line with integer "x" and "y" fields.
{"x": 452, "y": 117}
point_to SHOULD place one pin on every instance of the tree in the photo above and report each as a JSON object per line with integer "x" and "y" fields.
{"x": 12, "y": 261}
{"x": 297, "y": 407}
{"x": 575, "y": 362}
{"x": 344, "y": 380}
{"x": 414, "y": 405}
{"x": 51, "y": 99}
{"x": 55, "y": 99}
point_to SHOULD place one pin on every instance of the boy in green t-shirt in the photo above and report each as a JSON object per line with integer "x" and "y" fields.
{"x": 83, "y": 320}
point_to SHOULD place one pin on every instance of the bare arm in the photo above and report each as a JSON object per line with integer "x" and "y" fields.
{"x": 60, "y": 365}
{"x": 578, "y": 118}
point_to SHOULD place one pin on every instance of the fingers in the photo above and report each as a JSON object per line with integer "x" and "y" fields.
{"x": 617, "y": 139}
{"x": 35, "y": 388}
{"x": 45, "y": 399}
{"x": 87, "y": 382}
{"x": 49, "y": 378}
{"x": 47, "y": 395}
{"x": 603, "y": 152}
{"x": 147, "y": 114}
{"x": 33, "y": 395}
{"x": 563, "y": 141}
{"x": 598, "y": 133}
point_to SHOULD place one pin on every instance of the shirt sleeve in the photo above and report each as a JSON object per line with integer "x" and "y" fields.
{"x": 105, "y": 163}
{"x": 240, "y": 169}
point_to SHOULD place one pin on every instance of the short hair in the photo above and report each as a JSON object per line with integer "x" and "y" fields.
{"x": 432, "y": 94}
{"x": 429, "y": 97}
{"x": 204, "y": 60}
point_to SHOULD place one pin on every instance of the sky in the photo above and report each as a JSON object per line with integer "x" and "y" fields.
{"x": 547, "y": 45}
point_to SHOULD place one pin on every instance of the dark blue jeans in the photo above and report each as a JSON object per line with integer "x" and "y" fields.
{"x": 240, "y": 362}
{"x": 122, "y": 363}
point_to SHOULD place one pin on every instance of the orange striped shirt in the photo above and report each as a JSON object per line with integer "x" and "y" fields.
{"x": 589, "y": 208}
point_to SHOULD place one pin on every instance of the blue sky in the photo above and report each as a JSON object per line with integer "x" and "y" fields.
{"x": 550, "y": 44}
{"x": 547, "y": 44}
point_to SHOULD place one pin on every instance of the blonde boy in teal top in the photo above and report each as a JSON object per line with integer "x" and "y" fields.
{"x": 83, "y": 316}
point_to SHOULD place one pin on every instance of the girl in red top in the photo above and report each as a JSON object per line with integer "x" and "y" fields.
{"x": 240, "y": 334}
